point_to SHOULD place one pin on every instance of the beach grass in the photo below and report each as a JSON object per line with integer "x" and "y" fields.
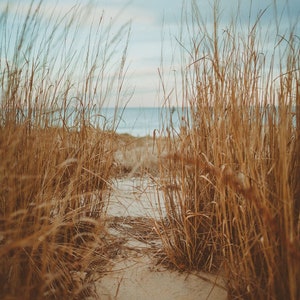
{"x": 231, "y": 176}
{"x": 55, "y": 166}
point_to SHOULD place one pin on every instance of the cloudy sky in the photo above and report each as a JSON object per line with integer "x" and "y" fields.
{"x": 159, "y": 20}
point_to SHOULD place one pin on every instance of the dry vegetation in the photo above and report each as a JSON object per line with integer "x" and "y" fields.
{"x": 54, "y": 166}
{"x": 231, "y": 179}
{"x": 136, "y": 156}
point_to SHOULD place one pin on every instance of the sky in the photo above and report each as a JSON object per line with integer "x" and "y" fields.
{"x": 155, "y": 25}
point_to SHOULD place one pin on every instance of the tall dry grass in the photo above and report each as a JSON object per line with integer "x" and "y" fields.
{"x": 55, "y": 166}
{"x": 231, "y": 178}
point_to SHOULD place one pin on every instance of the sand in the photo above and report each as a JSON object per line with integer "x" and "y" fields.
{"x": 134, "y": 272}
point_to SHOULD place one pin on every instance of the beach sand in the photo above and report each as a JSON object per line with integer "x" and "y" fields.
{"x": 131, "y": 211}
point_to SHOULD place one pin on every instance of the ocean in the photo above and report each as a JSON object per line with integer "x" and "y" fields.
{"x": 136, "y": 121}
{"x": 142, "y": 121}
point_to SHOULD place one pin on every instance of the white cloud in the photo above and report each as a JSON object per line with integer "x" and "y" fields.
{"x": 147, "y": 21}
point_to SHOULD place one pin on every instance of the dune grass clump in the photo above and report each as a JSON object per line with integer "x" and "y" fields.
{"x": 231, "y": 178}
{"x": 55, "y": 164}
{"x": 52, "y": 237}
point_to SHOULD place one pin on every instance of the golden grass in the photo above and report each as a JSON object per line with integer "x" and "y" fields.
{"x": 135, "y": 156}
{"x": 231, "y": 178}
{"x": 51, "y": 203}
{"x": 55, "y": 167}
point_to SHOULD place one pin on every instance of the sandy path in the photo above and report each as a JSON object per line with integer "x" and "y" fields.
{"x": 134, "y": 273}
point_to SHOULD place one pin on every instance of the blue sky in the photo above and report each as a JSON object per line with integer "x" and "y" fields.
{"x": 152, "y": 19}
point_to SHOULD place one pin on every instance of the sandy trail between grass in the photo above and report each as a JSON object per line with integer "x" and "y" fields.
{"x": 134, "y": 273}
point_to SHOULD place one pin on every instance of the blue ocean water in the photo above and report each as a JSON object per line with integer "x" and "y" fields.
{"x": 138, "y": 121}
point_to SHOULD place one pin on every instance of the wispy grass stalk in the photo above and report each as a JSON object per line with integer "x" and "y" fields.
{"x": 230, "y": 179}
{"x": 55, "y": 166}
